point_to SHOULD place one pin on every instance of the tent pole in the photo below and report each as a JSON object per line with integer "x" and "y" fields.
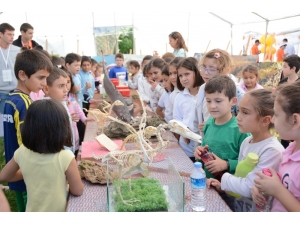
{"x": 117, "y": 44}
{"x": 231, "y": 35}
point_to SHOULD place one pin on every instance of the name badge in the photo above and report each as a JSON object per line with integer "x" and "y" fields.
{"x": 7, "y": 75}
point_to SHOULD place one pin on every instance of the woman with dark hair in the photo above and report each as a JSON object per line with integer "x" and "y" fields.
{"x": 177, "y": 42}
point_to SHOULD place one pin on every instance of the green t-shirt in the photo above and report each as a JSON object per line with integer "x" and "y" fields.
{"x": 224, "y": 141}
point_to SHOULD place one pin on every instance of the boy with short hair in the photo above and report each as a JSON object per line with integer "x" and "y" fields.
{"x": 221, "y": 133}
{"x": 118, "y": 70}
{"x": 31, "y": 69}
{"x": 25, "y": 39}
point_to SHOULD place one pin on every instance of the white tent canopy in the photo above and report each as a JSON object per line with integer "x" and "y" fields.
{"x": 62, "y": 34}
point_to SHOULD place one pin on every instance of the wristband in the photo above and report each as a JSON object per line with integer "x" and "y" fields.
{"x": 228, "y": 165}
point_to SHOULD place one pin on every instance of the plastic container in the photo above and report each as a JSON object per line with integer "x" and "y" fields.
{"x": 115, "y": 81}
{"x": 207, "y": 156}
{"x": 125, "y": 92}
{"x": 198, "y": 188}
{"x": 244, "y": 167}
{"x": 102, "y": 91}
{"x": 121, "y": 76}
{"x": 269, "y": 199}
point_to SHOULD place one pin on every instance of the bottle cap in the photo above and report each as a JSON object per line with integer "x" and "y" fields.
{"x": 251, "y": 159}
{"x": 198, "y": 165}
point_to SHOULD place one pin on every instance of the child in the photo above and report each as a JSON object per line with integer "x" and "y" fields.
{"x": 221, "y": 132}
{"x": 280, "y": 52}
{"x": 164, "y": 101}
{"x": 98, "y": 76}
{"x": 177, "y": 42}
{"x": 134, "y": 68}
{"x": 4, "y": 205}
{"x": 215, "y": 62}
{"x": 41, "y": 162}
{"x": 154, "y": 78}
{"x": 31, "y": 69}
{"x": 93, "y": 66}
{"x": 73, "y": 62}
{"x": 256, "y": 112}
{"x": 250, "y": 78}
{"x": 290, "y": 68}
{"x": 118, "y": 70}
{"x": 286, "y": 119}
{"x": 57, "y": 88}
{"x": 188, "y": 82}
{"x": 143, "y": 85}
{"x": 87, "y": 82}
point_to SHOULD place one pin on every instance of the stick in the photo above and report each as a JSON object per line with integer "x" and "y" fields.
{"x": 207, "y": 46}
{"x": 228, "y": 45}
{"x": 247, "y": 45}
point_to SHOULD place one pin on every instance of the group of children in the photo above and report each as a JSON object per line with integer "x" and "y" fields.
{"x": 232, "y": 118}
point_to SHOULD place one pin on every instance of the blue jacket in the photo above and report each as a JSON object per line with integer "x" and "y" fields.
{"x": 113, "y": 72}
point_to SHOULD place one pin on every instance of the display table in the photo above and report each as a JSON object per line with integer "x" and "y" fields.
{"x": 94, "y": 197}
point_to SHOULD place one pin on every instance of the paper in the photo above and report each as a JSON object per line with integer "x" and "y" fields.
{"x": 7, "y": 75}
{"x": 89, "y": 147}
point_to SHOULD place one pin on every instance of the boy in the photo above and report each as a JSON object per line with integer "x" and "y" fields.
{"x": 118, "y": 70}
{"x": 31, "y": 69}
{"x": 25, "y": 39}
{"x": 57, "y": 89}
{"x": 221, "y": 133}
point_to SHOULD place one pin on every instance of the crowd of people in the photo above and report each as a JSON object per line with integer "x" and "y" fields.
{"x": 42, "y": 101}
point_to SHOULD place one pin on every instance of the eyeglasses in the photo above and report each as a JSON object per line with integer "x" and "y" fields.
{"x": 210, "y": 71}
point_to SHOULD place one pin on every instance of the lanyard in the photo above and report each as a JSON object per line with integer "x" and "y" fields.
{"x": 6, "y": 61}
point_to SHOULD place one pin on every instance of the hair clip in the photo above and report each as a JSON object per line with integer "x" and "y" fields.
{"x": 217, "y": 55}
{"x": 59, "y": 66}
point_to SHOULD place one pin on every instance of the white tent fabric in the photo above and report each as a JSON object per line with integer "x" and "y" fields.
{"x": 62, "y": 34}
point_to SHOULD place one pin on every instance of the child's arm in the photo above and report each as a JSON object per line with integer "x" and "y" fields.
{"x": 142, "y": 91}
{"x": 74, "y": 179}
{"x": 215, "y": 183}
{"x": 11, "y": 172}
{"x": 273, "y": 186}
{"x": 159, "y": 111}
{"x": 4, "y": 206}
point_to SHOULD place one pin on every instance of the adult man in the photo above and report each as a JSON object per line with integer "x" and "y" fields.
{"x": 289, "y": 49}
{"x": 280, "y": 52}
{"x": 25, "y": 39}
{"x": 255, "y": 51}
{"x": 8, "y": 53}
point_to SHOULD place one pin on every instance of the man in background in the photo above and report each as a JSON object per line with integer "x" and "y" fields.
{"x": 25, "y": 39}
{"x": 255, "y": 51}
{"x": 289, "y": 49}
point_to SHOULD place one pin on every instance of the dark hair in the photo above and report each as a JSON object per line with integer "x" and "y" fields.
{"x": 71, "y": 81}
{"x": 222, "y": 57}
{"x": 25, "y": 26}
{"x": 168, "y": 60}
{"x": 55, "y": 74}
{"x": 219, "y": 84}
{"x": 57, "y": 61}
{"x": 94, "y": 62}
{"x": 147, "y": 57}
{"x": 165, "y": 71}
{"x": 157, "y": 62}
{"x": 190, "y": 63}
{"x": 119, "y": 55}
{"x": 145, "y": 69}
{"x": 293, "y": 61}
{"x": 256, "y": 41}
{"x": 46, "y": 127}
{"x": 288, "y": 96}
{"x": 134, "y": 63}
{"x": 72, "y": 57}
{"x": 175, "y": 61}
{"x": 86, "y": 59}
{"x": 285, "y": 40}
{"x": 168, "y": 55}
{"x": 180, "y": 41}
{"x": 6, "y": 26}
{"x": 31, "y": 61}
{"x": 264, "y": 103}
{"x": 251, "y": 69}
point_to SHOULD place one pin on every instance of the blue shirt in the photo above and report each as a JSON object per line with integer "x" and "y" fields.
{"x": 15, "y": 109}
{"x": 77, "y": 81}
{"x": 87, "y": 77}
{"x": 113, "y": 72}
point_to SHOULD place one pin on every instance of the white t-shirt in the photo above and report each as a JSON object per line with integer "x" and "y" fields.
{"x": 164, "y": 103}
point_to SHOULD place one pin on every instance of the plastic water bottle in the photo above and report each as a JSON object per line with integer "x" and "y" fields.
{"x": 198, "y": 186}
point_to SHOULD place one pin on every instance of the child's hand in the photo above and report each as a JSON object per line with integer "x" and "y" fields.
{"x": 75, "y": 117}
{"x": 266, "y": 184}
{"x": 215, "y": 183}
{"x": 92, "y": 100}
{"x": 198, "y": 151}
{"x": 257, "y": 197}
{"x": 88, "y": 85}
{"x": 200, "y": 126}
{"x": 76, "y": 88}
{"x": 186, "y": 140}
{"x": 88, "y": 119}
{"x": 216, "y": 165}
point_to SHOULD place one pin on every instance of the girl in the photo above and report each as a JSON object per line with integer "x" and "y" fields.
{"x": 75, "y": 111}
{"x": 46, "y": 168}
{"x": 98, "y": 75}
{"x": 143, "y": 85}
{"x": 87, "y": 82}
{"x": 290, "y": 68}
{"x": 154, "y": 78}
{"x": 256, "y": 111}
{"x": 250, "y": 78}
{"x": 164, "y": 101}
{"x": 188, "y": 82}
{"x": 93, "y": 66}
{"x": 177, "y": 42}
{"x": 134, "y": 68}
{"x": 286, "y": 119}
{"x": 215, "y": 62}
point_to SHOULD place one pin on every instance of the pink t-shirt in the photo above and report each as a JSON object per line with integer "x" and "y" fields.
{"x": 243, "y": 86}
{"x": 36, "y": 96}
{"x": 289, "y": 171}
